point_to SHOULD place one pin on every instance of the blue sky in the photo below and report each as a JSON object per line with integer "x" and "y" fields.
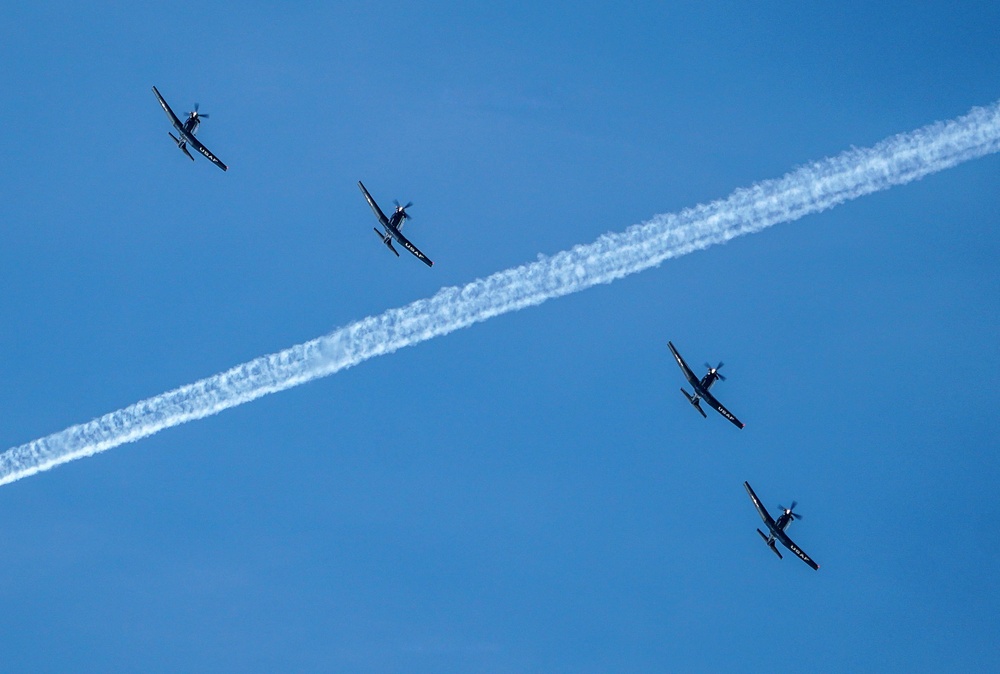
{"x": 532, "y": 494}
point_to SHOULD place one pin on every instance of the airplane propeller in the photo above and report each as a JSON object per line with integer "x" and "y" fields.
{"x": 195, "y": 112}
{"x": 403, "y": 208}
{"x": 717, "y": 368}
{"x": 788, "y": 511}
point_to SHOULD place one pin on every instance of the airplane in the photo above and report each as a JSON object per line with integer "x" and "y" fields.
{"x": 187, "y": 130}
{"x": 777, "y": 529}
{"x": 701, "y": 387}
{"x": 393, "y": 227}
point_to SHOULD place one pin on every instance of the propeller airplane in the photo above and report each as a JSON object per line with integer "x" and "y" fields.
{"x": 701, "y": 387}
{"x": 393, "y": 227}
{"x": 186, "y": 131}
{"x": 777, "y": 528}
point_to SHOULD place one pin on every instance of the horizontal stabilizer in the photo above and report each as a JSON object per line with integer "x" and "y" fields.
{"x": 387, "y": 240}
{"x": 694, "y": 401}
{"x": 182, "y": 145}
{"x": 770, "y": 544}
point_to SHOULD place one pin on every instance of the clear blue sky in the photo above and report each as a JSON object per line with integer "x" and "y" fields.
{"x": 532, "y": 494}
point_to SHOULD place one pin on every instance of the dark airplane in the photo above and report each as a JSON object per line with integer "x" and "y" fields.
{"x": 777, "y": 529}
{"x": 701, "y": 387}
{"x": 393, "y": 226}
{"x": 187, "y": 130}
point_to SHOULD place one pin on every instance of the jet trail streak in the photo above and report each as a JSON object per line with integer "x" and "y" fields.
{"x": 809, "y": 189}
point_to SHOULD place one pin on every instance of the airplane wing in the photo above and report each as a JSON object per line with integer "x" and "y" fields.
{"x": 710, "y": 399}
{"x": 764, "y": 515}
{"x": 407, "y": 245}
{"x": 788, "y": 543}
{"x": 384, "y": 221}
{"x": 170, "y": 113}
{"x": 196, "y": 144}
{"x": 684, "y": 368}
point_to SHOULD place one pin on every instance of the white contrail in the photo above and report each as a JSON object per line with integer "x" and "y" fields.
{"x": 810, "y": 189}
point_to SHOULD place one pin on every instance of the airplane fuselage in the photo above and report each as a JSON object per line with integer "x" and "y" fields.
{"x": 191, "y": 124}
{"x": 396, "y": 221}
{"x": 393, "y": 226}
{"x": 709, "y": 379}
{"x": 779, "y": 527}
{"x": 784, "y": 519}
{"x": 705, "y": 384}
{"x": 187, "y": 131}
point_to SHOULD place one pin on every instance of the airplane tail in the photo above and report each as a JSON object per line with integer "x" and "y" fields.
{"x": 694, "y": 401}
{"x": 181, "y": 144}
{"x": 386, "y": 239}
{"x": 770, "y": 543}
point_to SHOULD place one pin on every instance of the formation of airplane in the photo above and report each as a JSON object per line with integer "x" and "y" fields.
{"x": 392, "y": 230}
{"x": 701, "y": 387}
{"x": 186, "y": 131}
{"x": 393, "y": 227}
{"x": 777, "y": 528}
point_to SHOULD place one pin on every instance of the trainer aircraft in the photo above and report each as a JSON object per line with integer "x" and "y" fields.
{"x": 187, "y": 130}
{"x": 701, "y": 387}
{"x": 777, "y": 529}
{"x": 393, "y": 227}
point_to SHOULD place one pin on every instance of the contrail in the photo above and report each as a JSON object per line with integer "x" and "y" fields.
{"x": 809, "y": 189}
